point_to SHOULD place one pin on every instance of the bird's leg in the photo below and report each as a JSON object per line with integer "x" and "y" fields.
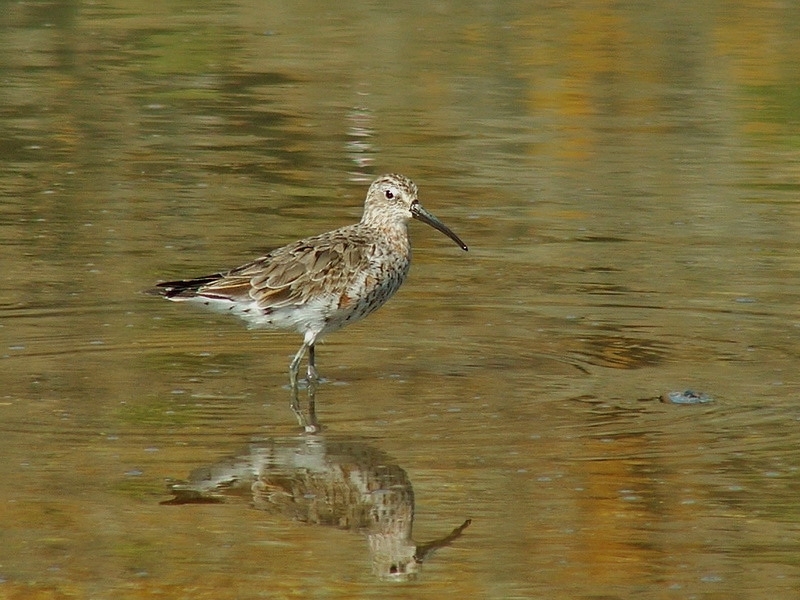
{"x": 312, "y": 369}
{"x": 311, "y": 424}
{"x": 294, "y": 366}
{"x": 295, "y": 403}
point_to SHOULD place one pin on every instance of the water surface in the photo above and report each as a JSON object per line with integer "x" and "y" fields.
{"x": 626, "y": 176}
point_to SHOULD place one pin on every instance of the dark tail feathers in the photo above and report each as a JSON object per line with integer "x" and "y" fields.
{"x": 182, "y": 288}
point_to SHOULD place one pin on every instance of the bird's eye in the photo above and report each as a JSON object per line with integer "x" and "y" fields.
{"x": 389, "y": 194}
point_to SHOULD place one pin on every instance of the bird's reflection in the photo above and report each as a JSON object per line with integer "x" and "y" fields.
{"x": 307, "y": 419}
{"x": 311, "y": 478}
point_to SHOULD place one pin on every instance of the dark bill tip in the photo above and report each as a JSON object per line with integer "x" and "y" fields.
{"x": 423, "y": 215}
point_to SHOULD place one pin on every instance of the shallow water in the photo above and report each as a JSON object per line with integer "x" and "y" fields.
{"x": 626, "y": 177}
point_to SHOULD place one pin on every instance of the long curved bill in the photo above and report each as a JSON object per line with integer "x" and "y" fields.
{"x": 423, "y": 215}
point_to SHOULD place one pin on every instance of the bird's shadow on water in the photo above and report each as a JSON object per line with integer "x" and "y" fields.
{"x": 323, "y": 480}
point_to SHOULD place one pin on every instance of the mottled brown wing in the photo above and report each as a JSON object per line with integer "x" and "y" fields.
{"x": 290, "y": 275}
